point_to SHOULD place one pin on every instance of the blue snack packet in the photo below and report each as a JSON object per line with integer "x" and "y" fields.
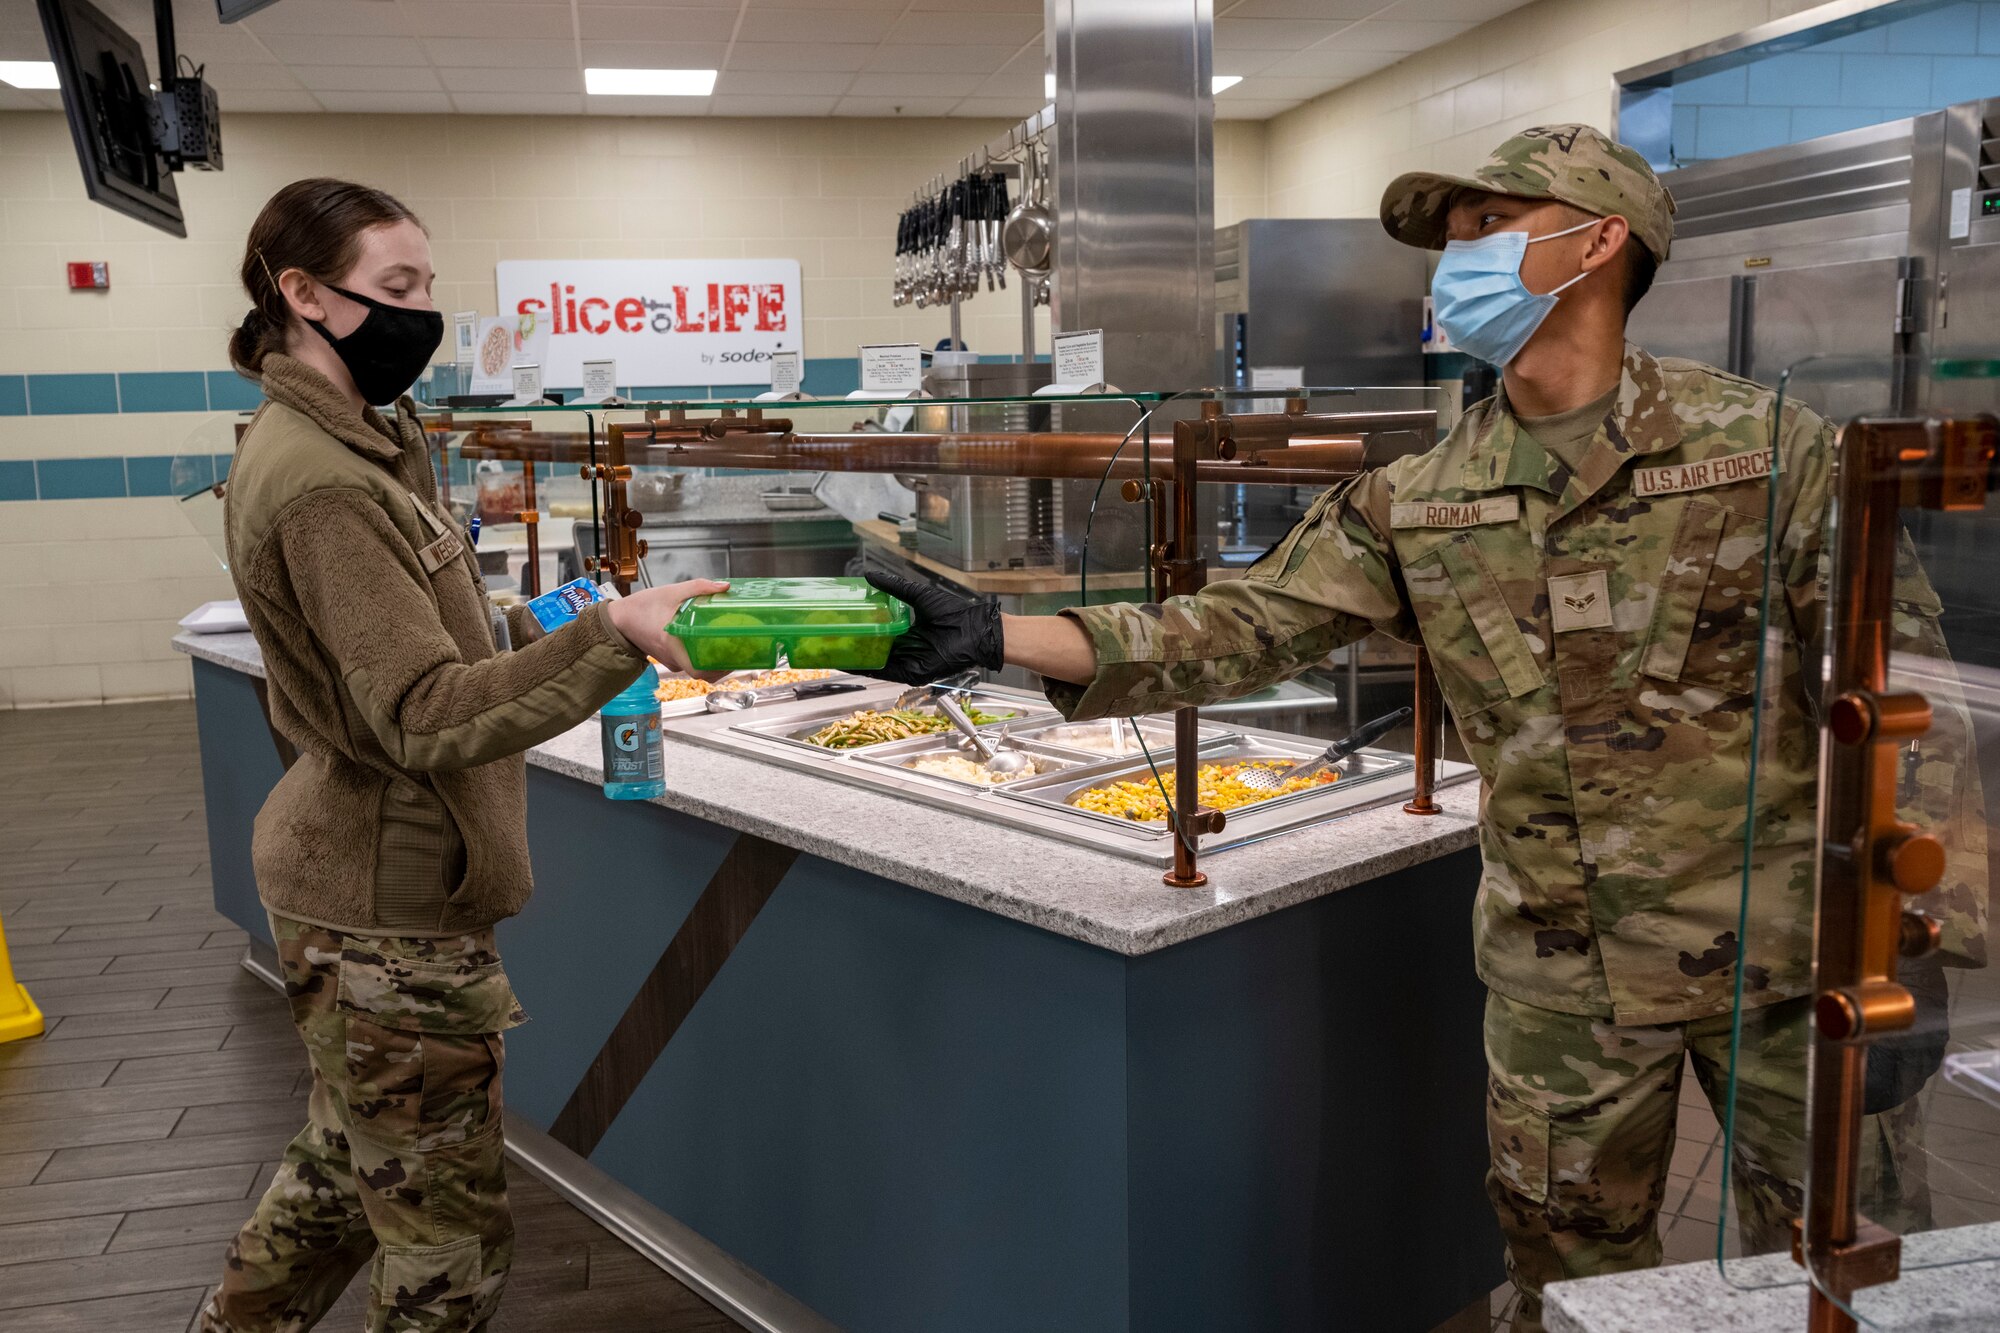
{"x": 559, "y": 606}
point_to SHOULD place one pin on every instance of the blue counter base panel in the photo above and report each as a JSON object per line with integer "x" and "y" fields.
{"x": 917, "y": 1117}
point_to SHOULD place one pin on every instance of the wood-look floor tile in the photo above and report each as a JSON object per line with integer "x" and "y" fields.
{"x": 287, "y": 1115}
{"x": 54, "y": 1077}
{"x": 75, "y": 1198}
{"x": 249, "y": 1148}
{"x": 62, "y": 1238}
{"x": 157, "y": 1020}
{"x": 211, "y": 1224}
{"x": 269, "y": 1065}
{"x": 122, "y": 1047}
{"x": 149, "y": 942}
{"x": 19, "y": 1168}
{"x": 99, "y": 1002}
{"x": 124, "y": 1274}
{"x": 77, "y": 1129}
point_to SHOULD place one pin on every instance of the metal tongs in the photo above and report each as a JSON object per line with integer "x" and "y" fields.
{"x": 943, "y": 694}
{"x": 1271, "y": 779}
{"x": 729, "y": 701}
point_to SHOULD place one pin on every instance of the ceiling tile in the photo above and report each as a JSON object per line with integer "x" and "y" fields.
{"x": 271, "y": 100}
{"x": 518, "y": 104}
{"x": 346, "y": 51}
{"x": 1391, "y": 35}
{"x": 395, "y": 103}
{"x": 790, "y": 83}
{"x": 657, "y": 25}
{"x": 1272, "y": 34}
{"x": 770, "y": 105}
{"x": 366, "y": 78}
{"x": 1251, "y": 110}
{"x": 647, "y": 55}
{"x": 911, "y": 108}
{"x": 814, "y": 25}
{"x": 910, "y": 83}
{"x": 1305, "y": 9}
{"x": 1334, "y": 63}
{"x": 266, "y": 77}
{"x": 941, "y": 59}
{"x": 449, "y": 18}
{"x": 1247, "y": 62}
{"x": 552, "y": 79}
{"x": 969, "y": 29}
{"x": 332, "y": 18}
{"x": 780, "y": 57}
{"x": 493, "y": 52}
{"x": 1267, "y": 87}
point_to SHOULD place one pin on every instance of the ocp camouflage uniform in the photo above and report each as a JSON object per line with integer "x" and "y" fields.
{"x": 401, "y": 1156}
{"x": 1596, "y": 634}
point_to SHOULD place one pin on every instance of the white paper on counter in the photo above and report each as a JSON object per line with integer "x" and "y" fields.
{"x": 216, "y": 618}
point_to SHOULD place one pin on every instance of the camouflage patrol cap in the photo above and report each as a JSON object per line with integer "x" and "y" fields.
{"x": 1571, "y": 163}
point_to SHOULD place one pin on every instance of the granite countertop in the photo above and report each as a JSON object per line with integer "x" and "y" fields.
{"x": 1950, "y": 1284}
{"x": 1091, "y": 896}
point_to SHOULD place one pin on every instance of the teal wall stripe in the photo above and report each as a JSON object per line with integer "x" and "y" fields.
{"x": 80, "y": 478}
{"x": 17, "y": 481}
{"x": 226, "y": 391}
{"x": 71, "y": 395}
{"x": 163, "y": 391}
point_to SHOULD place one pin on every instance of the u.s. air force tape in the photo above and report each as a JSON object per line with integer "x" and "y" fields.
{"x": 1675, "y": 477}
{"x": 1454, "y": 513}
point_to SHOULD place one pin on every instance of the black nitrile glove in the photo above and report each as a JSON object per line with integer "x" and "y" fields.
{"x": 948, "y": 633}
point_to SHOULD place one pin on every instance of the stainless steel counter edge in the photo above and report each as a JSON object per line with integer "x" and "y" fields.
{"x": 1100, "y": 900}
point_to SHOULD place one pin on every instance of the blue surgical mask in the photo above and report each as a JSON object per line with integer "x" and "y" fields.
{"x": 1480, "y": 301}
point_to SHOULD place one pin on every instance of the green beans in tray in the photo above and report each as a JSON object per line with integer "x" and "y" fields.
{"x": 873, "y": 727}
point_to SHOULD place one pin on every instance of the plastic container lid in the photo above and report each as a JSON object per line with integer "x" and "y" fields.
{"x": 820, "y": 622}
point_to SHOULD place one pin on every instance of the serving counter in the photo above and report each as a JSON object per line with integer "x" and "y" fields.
{"x": 838, "y": 1058}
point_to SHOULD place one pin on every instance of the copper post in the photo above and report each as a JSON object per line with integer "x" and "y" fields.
{"x": 1182, "y": 572}
{"x": 531, "y": 519}
{"x": 1869, "y": 860}
{"x": 1429, "y": 724}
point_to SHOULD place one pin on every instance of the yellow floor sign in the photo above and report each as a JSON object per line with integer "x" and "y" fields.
{"x": 18, "y": 1016}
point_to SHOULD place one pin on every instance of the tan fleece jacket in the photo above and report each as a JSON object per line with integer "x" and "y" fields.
{"x": 406, "y": 811}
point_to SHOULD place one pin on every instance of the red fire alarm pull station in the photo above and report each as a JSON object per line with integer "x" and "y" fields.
{"x": 89, "y": 275}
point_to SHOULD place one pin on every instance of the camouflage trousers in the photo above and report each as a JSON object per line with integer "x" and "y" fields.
{"x": 1580, "y": 1123}
{"x": 400, "y": 1161}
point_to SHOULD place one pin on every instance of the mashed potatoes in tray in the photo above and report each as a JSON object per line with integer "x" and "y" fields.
{"x": 960, "y": 769}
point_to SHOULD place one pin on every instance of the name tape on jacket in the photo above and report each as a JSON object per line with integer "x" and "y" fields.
{"x": 1454, "y": 514}
{"x": 1724, "y": 471}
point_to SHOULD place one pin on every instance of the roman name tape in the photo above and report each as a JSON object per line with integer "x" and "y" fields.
{"x": 1454, "y": 514}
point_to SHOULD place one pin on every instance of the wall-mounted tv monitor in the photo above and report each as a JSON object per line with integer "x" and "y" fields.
{"x": 108, "y": 101}
{"x": 231, "y": 10}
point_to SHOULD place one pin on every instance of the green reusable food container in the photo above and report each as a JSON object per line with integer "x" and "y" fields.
{"x": 844, "y": 624}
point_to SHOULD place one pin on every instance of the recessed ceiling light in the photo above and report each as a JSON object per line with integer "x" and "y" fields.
{"x": 1224, "y": 81}
{"x": 29, "y": 74}
{"x": 649, "y": 82}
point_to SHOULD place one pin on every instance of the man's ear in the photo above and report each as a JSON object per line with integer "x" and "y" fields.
{"x": 1606, "y": 242}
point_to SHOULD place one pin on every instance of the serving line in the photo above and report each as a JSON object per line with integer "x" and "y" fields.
{"x": 1111, "y": 902}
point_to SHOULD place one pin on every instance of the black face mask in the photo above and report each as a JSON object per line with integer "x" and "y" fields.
{"x": 388, "y": 349}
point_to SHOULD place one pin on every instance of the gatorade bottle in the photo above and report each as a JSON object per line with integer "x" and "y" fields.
{"x": 634, "y": 769}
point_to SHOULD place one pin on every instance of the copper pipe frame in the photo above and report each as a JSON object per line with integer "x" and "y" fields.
{"x": 1429, "y": 723}
{"x": 620, "y": 548}
{"x": 1182, "y": 573}
{"x": 1869, "y": 860}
